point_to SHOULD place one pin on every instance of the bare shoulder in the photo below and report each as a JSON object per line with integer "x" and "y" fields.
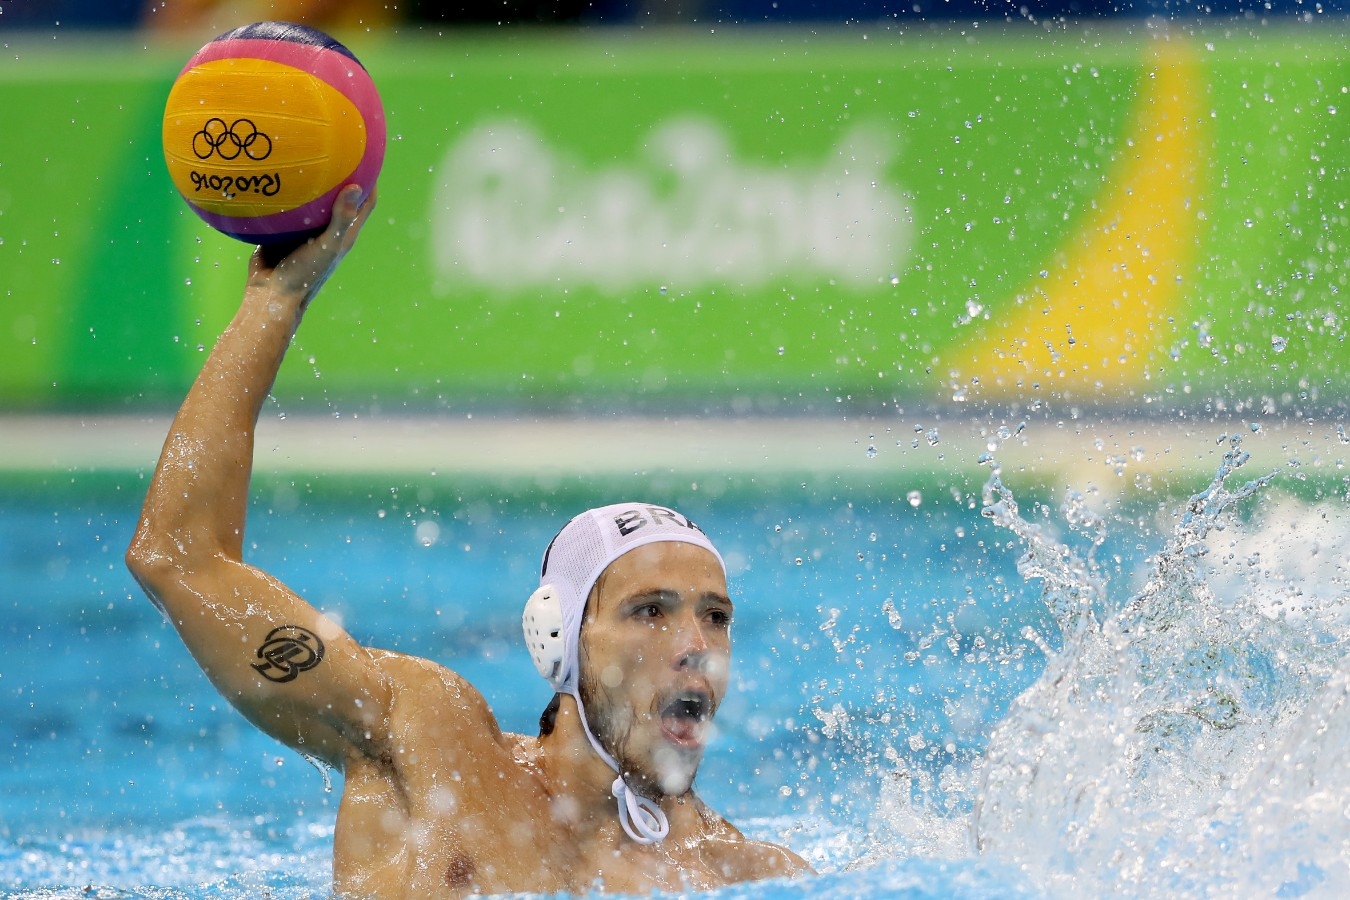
{"x": 738, "y": 858}
{"x": 424, "y": 690}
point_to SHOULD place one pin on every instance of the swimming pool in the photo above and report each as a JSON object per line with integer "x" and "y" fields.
{"x": 880, "y": 647}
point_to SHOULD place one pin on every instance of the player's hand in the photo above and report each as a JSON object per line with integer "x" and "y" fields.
{"x": 301, "y": 269}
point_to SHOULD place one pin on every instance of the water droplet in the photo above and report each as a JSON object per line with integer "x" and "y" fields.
{"x": 427, "y": 533}
{"x": 915, "y": 498}
{"x": 892, "y": 614}
{"x": 323, "y": 770}
{"x": 871, "y": 451}
{"x": 895, "y": 279}
{"x": 1278, "y": 343}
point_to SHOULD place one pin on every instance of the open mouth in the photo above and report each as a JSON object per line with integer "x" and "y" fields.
{"x": 685, "y": 718}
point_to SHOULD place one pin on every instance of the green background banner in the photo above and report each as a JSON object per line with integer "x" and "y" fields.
{"x": 752, "y": 221}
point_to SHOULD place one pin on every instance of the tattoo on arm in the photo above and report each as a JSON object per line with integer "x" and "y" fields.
{"x": 286, "y": 652}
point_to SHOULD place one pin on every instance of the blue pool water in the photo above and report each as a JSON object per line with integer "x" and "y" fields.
{"x": 881, "y": 646}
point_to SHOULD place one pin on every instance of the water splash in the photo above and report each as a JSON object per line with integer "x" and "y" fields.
{"x": 1193, "y": 739}
{"x": 323, "y": 770}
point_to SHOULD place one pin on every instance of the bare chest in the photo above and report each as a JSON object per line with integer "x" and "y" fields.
{"x": 448, "y": 843}
{"x": 438, "y": 818}
{"x": 445, "y": 831}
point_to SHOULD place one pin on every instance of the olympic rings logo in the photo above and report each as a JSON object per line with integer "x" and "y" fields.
{"x": 229, "y": 140}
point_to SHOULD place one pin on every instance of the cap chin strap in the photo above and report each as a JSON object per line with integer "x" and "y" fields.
{"x": 643, "y": 819}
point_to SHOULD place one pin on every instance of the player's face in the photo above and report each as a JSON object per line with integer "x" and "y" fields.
{"x": 655, "y": 654}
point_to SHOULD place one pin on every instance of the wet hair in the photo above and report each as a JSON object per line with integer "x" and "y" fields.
{"x": 548, "y": 719}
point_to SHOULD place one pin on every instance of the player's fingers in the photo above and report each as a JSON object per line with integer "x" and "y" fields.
{"x": 352, "y": 209}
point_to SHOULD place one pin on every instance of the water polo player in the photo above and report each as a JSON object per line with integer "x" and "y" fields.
{"x": 630, "y": 624}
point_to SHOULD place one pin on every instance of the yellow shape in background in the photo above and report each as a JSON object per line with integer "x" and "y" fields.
{"x": 1090, "y": 326}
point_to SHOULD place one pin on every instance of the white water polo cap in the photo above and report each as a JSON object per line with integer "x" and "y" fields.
{"x": 573, "y": 562}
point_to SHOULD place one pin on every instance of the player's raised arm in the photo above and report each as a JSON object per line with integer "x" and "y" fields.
{"x": 292, "y": 671}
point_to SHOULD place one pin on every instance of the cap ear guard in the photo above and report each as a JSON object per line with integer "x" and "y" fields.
{"x": 543, "y": 624}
